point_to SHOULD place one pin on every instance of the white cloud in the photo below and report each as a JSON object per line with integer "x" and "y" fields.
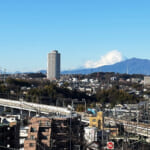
{"x": 110, "y": 58}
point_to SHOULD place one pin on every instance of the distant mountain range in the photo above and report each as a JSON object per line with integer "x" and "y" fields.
{"x": 130, "y": 66}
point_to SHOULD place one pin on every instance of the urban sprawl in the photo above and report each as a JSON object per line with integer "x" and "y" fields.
{"x": 57, "y": 111}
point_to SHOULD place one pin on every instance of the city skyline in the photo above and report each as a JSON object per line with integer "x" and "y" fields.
{"x": 86, "y": 33}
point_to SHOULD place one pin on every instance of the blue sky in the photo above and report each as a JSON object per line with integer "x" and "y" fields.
{"x": 81, "y": 30}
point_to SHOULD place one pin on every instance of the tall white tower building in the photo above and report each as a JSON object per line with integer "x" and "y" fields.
{"x": 53, "y": 65}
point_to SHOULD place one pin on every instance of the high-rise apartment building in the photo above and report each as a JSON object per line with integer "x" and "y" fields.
{"x": 53, "y": 66}
{"x": 54, "y": 133}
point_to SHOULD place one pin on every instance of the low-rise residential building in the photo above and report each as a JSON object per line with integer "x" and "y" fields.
{"x": 135, "y": 80}
{"x": 9, "y": 132}
{"x": 147, "y": 81}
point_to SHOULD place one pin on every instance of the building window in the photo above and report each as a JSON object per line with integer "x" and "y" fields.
{"x": 32, "y": 137}
{"x": 48, "y": 123}
{"x": 44, "y": 138}
{"x": 31, "y": 144}
{"x": 94, "y": 120}
{"x": 33, "y": 129}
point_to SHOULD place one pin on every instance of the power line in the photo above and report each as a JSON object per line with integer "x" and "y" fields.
{"x": 8, "y": 148}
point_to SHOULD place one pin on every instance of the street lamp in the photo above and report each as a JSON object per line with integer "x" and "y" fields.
{"x": 83, "y": 99}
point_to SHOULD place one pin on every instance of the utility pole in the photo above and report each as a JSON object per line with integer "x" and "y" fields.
{"x": 70, "y": 129}
{"x": 148, "y": 110}
{"x": 21, "y": 112}
{"x": 137, "y": 116}
{"x": 0, "y": 73}
{"x": 72, "y": 105}
{"x": 84, "y": 104}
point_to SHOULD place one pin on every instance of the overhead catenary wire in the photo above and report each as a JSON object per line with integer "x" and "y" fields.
{"x": 8, "y": 148}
